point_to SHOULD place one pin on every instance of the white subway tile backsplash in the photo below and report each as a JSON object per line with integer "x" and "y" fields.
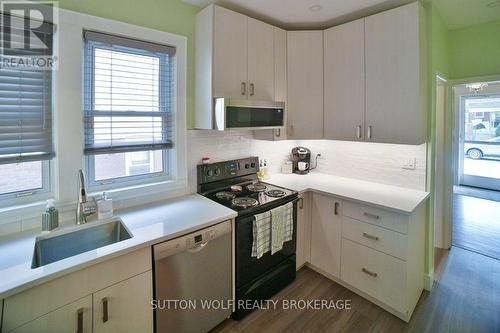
{"x": 382, "y": 163}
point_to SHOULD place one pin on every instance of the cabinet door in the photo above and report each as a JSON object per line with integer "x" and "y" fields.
{"x": 326, "y": 223}
{"x": 126, "y": 306}
{"x": 75, "y": 317}
{"x": 305, "y": 84}
{"x": 344, "y": 81}
{"x": 230, "y": 54}
{"x": 393, "y": 79}
{"x": 260, "y": 60}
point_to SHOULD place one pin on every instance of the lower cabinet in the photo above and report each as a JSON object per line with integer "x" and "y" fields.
{"x": 111, "y": 296}
{"x": 326, "y": 226}
{"x": 125, "y": 307}
{"x": 74, "y": 317}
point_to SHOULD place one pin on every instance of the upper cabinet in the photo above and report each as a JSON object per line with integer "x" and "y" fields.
{"x": 235, "y": 57}
{"x": 230, "y": 53}
{"x": 305, "y": 84}
{"x": 375, "y": 78}
{"x": 396, "y": 76}
{"x": 344, "y": 50}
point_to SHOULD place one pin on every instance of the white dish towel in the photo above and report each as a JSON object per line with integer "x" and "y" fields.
{"x": 261, "y": 234}
{"x": 281, "y": 226}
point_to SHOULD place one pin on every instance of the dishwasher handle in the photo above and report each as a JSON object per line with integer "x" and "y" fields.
{"x": 193, "y": 242}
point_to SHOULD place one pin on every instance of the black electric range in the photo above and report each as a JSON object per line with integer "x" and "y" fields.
{"x": 234, "y": 184}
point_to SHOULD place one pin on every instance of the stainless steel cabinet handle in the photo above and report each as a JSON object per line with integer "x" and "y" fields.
{"x": 79, "y": 321}
{"x": 301, "y": 203}
{"x": 243, "y": 88}
{"x": 369, "y": 132}
{"x": 336, "y": 208}
{"x": 358, "y": 134}
{"x": 364, "y": 270}
{"x": 369, "y": 236}
{"x": 373, "y": 216}
{"x": 104, "y": 309}
{"x": 198, "y": 247}
{"x": 277, "y": 133}
{"x": 252, "y": 89}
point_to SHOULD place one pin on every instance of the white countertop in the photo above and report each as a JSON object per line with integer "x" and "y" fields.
{"x": 398, "y": 199}
{"x": 149, "y": 224}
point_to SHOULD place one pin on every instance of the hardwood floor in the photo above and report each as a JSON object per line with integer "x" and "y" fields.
{"x": 476, "y": 225}
{"x": 465, "y": 298}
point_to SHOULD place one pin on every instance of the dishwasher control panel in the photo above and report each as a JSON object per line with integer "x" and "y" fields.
{"x": 192, "y": 240}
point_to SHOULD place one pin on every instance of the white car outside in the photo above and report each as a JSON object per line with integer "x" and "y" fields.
{"x": 480, "y": 149}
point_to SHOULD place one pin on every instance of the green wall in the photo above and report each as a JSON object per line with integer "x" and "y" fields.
{"x": 475, "y": 50}
{"x": 165, "y": 15}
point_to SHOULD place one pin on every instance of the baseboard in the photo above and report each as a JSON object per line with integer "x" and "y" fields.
{"x": 429, "y": 280}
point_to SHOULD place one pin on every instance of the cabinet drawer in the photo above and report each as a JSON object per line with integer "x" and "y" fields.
{"x": 375, "y": 273}
{"x": 377, "y": 216}
{"x": 384, "y": 240}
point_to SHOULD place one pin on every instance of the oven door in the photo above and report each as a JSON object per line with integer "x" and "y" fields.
{"x": 248, "y": 267}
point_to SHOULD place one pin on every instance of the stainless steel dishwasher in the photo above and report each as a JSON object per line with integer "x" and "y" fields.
{"x": 189, "y": 271}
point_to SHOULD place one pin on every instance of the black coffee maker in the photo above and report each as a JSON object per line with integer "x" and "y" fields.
{"x": 301, "y": 158}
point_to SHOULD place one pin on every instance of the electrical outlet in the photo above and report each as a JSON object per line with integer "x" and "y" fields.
{"x": 411, "y": 164}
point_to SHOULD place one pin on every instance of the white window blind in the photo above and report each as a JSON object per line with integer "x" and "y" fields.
{"x": 25, "y": 110}
{"x": 129, "y": 95}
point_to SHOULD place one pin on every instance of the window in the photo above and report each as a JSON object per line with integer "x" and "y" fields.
{"x": 25, "y": 129}
{"x": 129, "y": 89}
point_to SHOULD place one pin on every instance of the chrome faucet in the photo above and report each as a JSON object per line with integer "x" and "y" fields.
{"x": 84, "y": 208}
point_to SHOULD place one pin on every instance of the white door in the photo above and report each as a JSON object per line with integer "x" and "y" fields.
{"x": 260, "y": 60}
{"x": 125, "y": 307}
{"x": 394, "y": 111}
{"x": 326, "y": 222}
{"x": 479, "y": 139}
{"x": 344, "y": 101}
{"x": 230, "y": 54}
{"x": 305, "y": 84}
{"x": 74, "y": 317}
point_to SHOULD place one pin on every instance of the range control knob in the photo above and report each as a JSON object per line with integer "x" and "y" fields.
{"x": 252, "y": 165}
{"x": 216, "y": 171}
{"x": 210, "y": 172}
{"x": 247, "y": 166}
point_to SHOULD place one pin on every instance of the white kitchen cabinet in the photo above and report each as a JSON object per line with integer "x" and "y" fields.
{"x": 229, "y": 53}
{"x": 260, "y": 60}
{"x": 305, "y": 84}
{"x": 125, "y": 307}
{"x": 344, "y": 81}
{"x": 235, "y": 58}
{"x": 74, "y": 317}
{"x": 396, "y": 76}
{"x": 326, "y": 231}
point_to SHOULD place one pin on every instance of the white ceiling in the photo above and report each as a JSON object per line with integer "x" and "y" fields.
{"x": 295, "y": 14}
{"x": 462, "y": 13}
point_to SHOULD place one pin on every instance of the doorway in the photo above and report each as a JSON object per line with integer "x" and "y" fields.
{"x": 476, "y": 195}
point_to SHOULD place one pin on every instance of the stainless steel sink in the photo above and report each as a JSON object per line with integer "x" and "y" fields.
{"x": 60, "y": 245}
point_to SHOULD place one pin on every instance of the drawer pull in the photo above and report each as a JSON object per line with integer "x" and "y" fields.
{"x": 336, "y": 208}
{"x": 301, "y": 203}
{"x": 79, "y": 323}
{"x": 104, "y": 309}
{"x": 373, "y": 274}
{"x": 373, "y": 216}
{"x": 369, "y": 236}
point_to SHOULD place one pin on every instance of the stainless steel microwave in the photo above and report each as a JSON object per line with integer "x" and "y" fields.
{"x": 243, "y": 114}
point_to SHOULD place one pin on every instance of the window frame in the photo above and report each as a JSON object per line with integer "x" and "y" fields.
{"x": 126, "y": 181}
{"x": 31, "y": 195}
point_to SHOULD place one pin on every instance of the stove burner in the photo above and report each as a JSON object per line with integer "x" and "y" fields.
{"x": 225, "y": 195}
{"x": 257, "y": 187}
{"x": 244, "y": 202}
{"x": 275, "y": 193}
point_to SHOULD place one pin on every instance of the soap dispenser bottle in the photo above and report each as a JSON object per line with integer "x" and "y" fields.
{"x": 104, "y": 207}
{"x": 50, "y": 218}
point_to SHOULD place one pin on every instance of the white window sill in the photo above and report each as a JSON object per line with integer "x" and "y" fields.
{"x": 122, "y": 198}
